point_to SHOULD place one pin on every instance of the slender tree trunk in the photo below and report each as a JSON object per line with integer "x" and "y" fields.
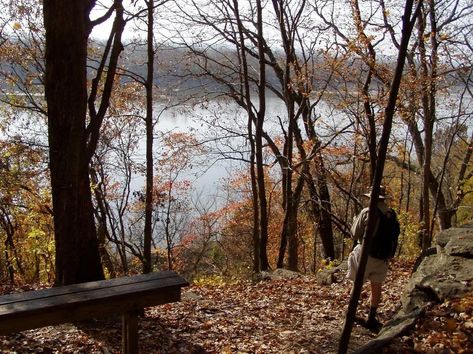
{"x": 9, "y": 245}
{"x": 290, "y": 205}
{"x": 432, "y": 116}
{"x": 366, "y": 86}
{"x": 425, "y": 184}
{"x": 167, "y": 231}
{"x": 287, "y": 236}
{"x": 284, "y": 75}
{"x": 321, "y": 201}
{"x": 429, "y": 118}
{"x": 9, "y": 266}
{"x": 245, "y": 89}
{"x": 284, "y": 232}
{"x": 293, "y": 251}
{"x": 325, "y": 221}
{"x": 149, "y": 142}
{"x": 67, "y": 26}
{"x": 102, "y": 230}
{"x": 254, "y": 195}
{"x": 263, "y": 207}
{"x": 407, "y": 25}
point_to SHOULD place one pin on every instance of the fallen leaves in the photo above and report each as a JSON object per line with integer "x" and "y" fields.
{"x": 445, "y": 328}
{"x": 273, "y": 316}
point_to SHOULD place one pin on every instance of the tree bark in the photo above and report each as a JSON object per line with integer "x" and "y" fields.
{"x": 290, "y": 198}
{"x": 371, "y": 58}
{"x": 263, "y": 205}
{"x": 149, "y": 142}
{"x": 428, "y": 129}
{"x": 67, "y": 30}
{"x": 246, "y": 97}
{"x": 325, "y": 213}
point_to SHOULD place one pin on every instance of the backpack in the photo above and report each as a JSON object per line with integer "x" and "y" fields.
{"x": 385, "y": 239}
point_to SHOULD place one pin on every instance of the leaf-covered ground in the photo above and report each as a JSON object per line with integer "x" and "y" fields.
{"x": 444, "y": 329}
{"x": 273, "y": 316}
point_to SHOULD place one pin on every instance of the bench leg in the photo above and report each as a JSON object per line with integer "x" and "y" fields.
{"x": 130, "y": 332}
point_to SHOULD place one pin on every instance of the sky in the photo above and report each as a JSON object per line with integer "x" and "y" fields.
{"x": 103, "y": 30}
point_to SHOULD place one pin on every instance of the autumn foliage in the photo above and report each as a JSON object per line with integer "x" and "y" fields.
{"x": 314, "y": 132}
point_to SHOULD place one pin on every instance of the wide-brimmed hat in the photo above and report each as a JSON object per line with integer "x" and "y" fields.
{"x": 382, "y": 193}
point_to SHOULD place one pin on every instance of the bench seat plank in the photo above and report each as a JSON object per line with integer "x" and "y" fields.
{"x": 87, "y": 300}
{"x": 78, "y": 288}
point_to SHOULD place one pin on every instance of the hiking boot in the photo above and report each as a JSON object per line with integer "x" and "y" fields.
{"x": 373, "y": 325}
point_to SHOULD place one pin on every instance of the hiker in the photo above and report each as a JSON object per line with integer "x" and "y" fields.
{"x": 383, "y": 248}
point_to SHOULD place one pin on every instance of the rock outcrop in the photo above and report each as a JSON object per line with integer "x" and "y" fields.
{"x": 277, "y": 274}
{"x": 443, "y": 275}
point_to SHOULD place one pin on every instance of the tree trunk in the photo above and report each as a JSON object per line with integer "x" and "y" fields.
{"x": 293, "y": 252}
{"x": 102, "y": 231}
{"x": 371, "y": 54}
{"x": 427, "y": 137}
{"x": 407, "y": 24}
{"x": 149, "y": 143}
{"x": 263, "y": 207}
{"x": 287, "y": 236}
{"x": 321, "y": 201}
{"x": 246, "y": 97}
{"x": 77, "y": 252}
{"x": 9, "y": 267}
{"x": 325, "y": 213}
{"x": 284, "y": 232}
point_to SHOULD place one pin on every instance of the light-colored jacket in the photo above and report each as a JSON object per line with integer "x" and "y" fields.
{"x": 360, "y": 222}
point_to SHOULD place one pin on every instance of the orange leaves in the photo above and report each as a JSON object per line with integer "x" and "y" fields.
{"x": 445, "y": 328}
{"x": 126, "y": 95}
{"x": 337, "y": 151}
{"x": 179, "y": 152}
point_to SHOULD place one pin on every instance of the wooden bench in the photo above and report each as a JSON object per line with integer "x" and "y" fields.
{"x": 127, "y": 296}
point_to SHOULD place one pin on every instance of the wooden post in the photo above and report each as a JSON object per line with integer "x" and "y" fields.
{"x": 130, "y": 332}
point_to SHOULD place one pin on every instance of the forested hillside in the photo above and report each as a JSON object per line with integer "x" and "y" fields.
{"x": 223, "y": 139}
